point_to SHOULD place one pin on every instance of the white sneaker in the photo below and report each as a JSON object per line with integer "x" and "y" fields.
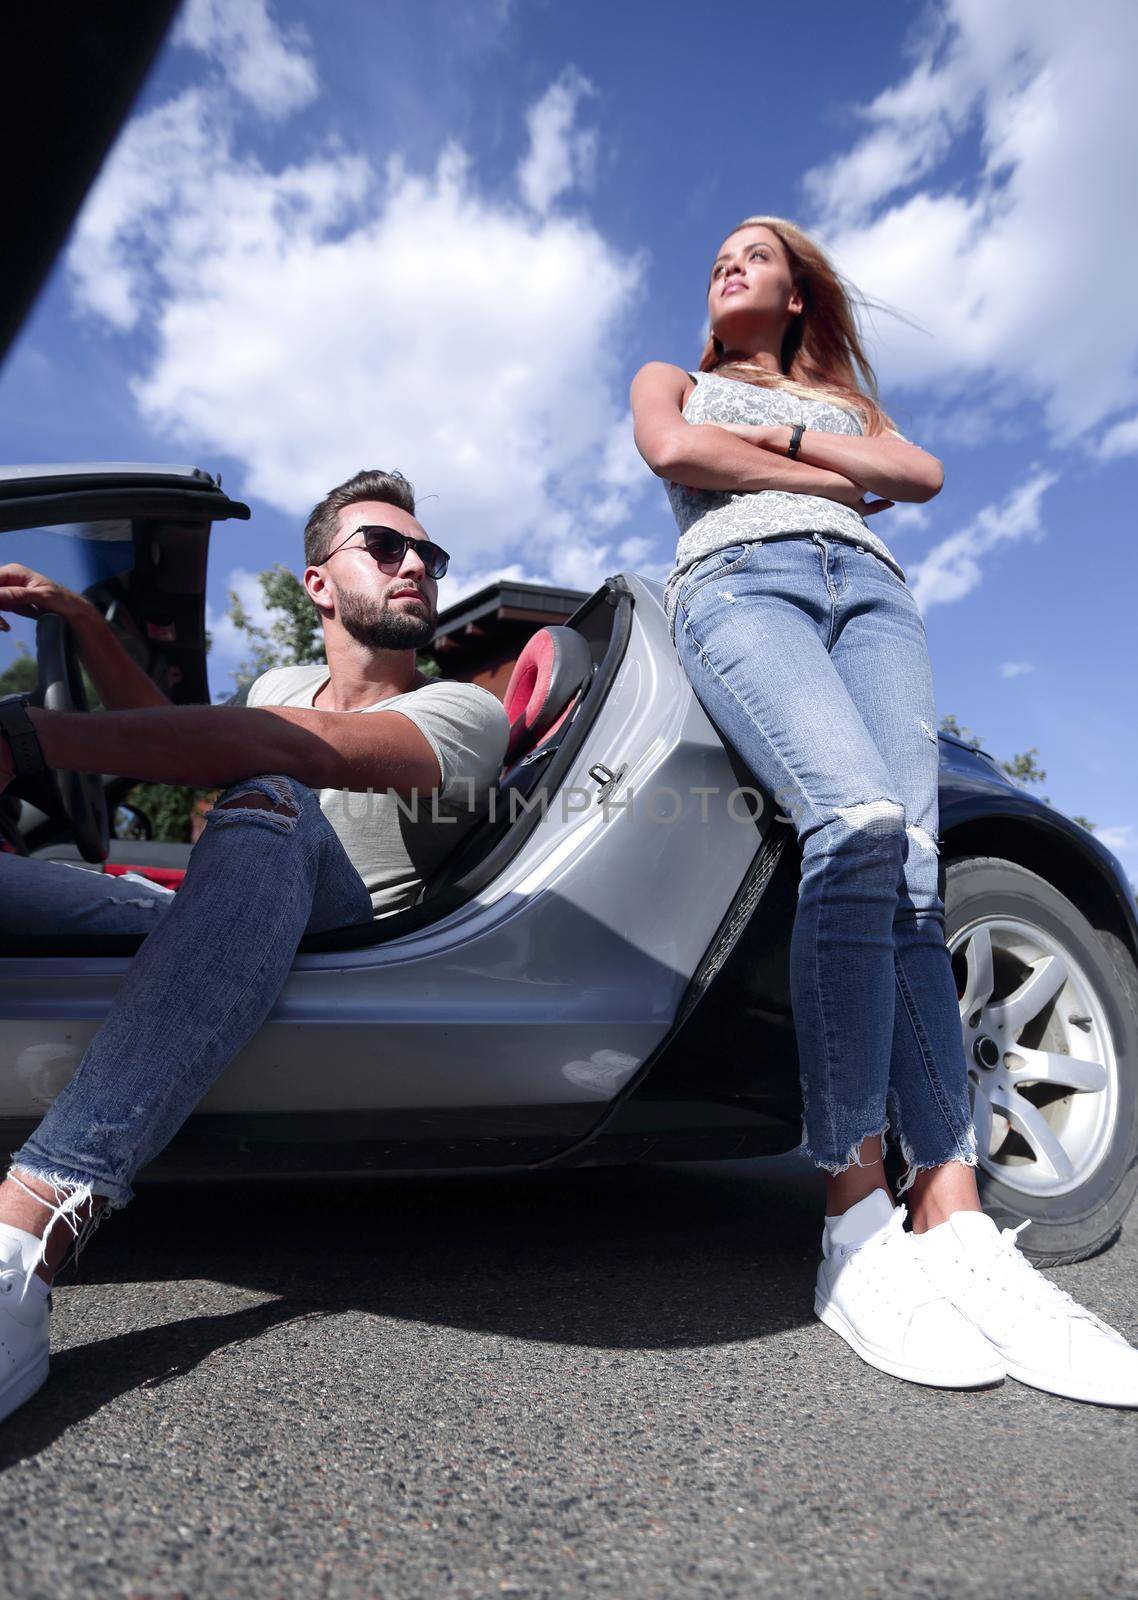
{"x": 873, "y": 1291}
{"x": 24, "y": 1307}
{"x": 1047, "y": 1339}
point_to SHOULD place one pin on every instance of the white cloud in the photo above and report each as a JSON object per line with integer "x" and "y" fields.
{"x": 900, "y": 517}
{"x": 912, "y": 126}
{"x": 560, "y": 155}
{"x": 1015, "y": 669}
{"x": 1118, "y": 838}
{"x": 1121, "y": 440}
{"x": 571, "y": 562}
{"x": 1013, "y": 275}
{"x": 264, "y": 65}
{"x": 118, "y": 228}
{"x": 173, "y": 181}
{"x": 323, "y": 317}
{"x": 635, "y": 554}
{"x": 952, "y": 568}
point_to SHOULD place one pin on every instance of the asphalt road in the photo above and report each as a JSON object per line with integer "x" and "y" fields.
{"x": 590, "y": 1384}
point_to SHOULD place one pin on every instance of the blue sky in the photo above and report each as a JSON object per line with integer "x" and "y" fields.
{"x": 444, "y": 237}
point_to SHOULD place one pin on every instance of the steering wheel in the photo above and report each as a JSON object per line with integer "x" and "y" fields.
{"x": 79, "y": 796}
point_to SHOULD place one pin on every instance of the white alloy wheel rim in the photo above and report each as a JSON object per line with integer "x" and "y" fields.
{"x": 1042, "y": 1074}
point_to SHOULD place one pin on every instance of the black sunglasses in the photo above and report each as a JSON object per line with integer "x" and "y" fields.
{"x": 388, "y": 546}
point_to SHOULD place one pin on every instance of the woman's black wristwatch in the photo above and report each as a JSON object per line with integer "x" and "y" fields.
{"x": 795, "y": 439}
{"x": 23, "y": 741}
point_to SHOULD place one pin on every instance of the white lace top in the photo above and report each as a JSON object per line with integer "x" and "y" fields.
{"x": 712, "y": 519}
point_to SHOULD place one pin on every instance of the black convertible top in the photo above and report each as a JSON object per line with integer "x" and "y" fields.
{"x": 36, "y": 496}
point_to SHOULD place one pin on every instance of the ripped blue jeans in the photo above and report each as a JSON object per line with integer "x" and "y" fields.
{"x": 267, "y": 869}
{"x": 810, "y": 656}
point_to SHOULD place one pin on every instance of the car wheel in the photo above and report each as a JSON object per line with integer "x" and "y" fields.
{"x": 1049, "y": 1010}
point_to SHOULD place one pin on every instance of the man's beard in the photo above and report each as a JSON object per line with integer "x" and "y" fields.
{"x": 380, "y": 628}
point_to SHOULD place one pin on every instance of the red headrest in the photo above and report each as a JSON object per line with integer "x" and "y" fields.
{"x": 543, "y": 686}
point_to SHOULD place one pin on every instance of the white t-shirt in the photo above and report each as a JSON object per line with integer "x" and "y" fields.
{"x": 395, "y": 845}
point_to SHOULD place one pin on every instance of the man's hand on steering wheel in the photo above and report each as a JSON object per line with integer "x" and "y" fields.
{"x": 29, "y": 594}
{"x": 26, "y": 593}
{"x": 77, "y": 798}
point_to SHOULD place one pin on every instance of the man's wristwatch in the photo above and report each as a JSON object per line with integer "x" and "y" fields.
{"x": 795, "y": 439}
{"x": 23, "y": 741}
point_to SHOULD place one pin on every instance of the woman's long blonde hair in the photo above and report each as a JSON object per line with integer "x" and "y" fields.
{"x": 822, "y": 355}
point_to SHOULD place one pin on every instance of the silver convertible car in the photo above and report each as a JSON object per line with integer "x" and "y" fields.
{"x": 599, "y": 973}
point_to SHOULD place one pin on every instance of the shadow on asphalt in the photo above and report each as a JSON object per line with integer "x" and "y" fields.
{"x": 635, "y": 1258}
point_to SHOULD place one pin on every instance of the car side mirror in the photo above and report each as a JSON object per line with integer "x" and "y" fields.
{"x": 131, "y": 823}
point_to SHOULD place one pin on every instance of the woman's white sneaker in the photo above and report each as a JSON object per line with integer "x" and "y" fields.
{"x": 874, "y": 1292}
{"x": 1046, "y": 1338}
{"x": 24, "y": 1308}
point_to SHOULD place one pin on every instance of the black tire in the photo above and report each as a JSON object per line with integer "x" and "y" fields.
{"x": 1071, "y": 1226}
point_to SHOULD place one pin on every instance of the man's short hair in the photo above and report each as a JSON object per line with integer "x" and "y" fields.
{"x": 321, "y": 528}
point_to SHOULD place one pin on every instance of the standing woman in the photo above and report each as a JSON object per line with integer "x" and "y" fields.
{"x": 803, "y": 642}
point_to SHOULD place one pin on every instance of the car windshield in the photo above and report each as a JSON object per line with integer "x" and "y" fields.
{"x": 82, "y": 556}
{"x": 76, "y": 554}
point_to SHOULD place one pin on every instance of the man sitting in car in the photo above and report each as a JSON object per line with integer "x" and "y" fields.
{"x": 328, "y": 818}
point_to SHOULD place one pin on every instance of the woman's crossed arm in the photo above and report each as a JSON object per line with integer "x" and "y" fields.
{"x": 738, "y": 459}
{"x": 883, "y": 463}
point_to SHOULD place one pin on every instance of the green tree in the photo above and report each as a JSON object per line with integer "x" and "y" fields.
{"x": 1024, "y": 768}
{"x": 949, "y": 724}
{"x": 19, "y": 676}
{"x": 292, "y": 636}
{"x": 169, "y": 807}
